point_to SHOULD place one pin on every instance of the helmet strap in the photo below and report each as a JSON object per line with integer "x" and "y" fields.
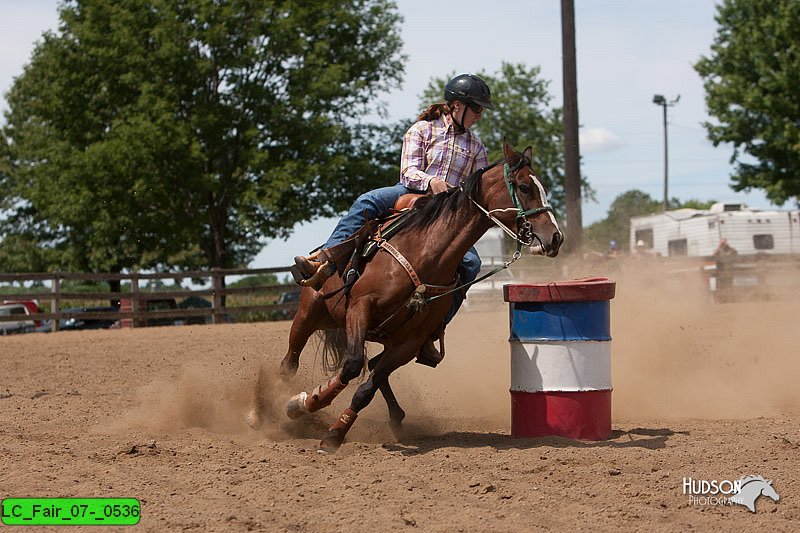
{"x": 459, "y": 125}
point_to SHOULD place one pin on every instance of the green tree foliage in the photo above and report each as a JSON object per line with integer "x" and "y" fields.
{"x": 166, "y": 133}
{"x": 523, "y": 116}
{"x": 751, "y": 78}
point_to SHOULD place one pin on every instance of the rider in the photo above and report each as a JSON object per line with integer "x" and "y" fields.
{"x": 439, "y": 152}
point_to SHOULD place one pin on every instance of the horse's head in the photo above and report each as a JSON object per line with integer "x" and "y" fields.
{"x": 531, "y": 214}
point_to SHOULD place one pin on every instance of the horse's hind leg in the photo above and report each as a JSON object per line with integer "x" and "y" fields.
{"x": 396, "y": 413}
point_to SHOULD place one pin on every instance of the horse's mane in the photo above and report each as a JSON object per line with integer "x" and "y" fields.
{"x": 448, "y": 203}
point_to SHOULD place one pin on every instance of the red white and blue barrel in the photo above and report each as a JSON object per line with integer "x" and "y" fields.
{"x": 561, "y": 358}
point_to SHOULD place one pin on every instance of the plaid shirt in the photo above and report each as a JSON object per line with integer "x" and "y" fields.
{"x": 434, "y": 150}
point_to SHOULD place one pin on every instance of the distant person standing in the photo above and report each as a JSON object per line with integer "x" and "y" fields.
{"x": 725, "y": 255}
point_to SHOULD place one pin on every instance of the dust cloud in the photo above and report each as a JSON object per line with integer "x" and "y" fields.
{"x": 675, "y": 354}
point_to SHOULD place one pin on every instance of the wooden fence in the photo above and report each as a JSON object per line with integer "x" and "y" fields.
{"x": 138, "y": 314}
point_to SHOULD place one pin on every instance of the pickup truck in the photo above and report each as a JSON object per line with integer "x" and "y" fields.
{"x": 21, "y": 322}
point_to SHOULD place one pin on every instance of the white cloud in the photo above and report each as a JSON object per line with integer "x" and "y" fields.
{"x": 595, "y": 140}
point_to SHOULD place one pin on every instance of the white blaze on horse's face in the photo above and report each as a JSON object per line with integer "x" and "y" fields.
{"x": 545, "y": 203}
{"x": 538, "y": 249}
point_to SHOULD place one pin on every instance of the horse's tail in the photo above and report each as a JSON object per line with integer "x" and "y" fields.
{"x": 334, "y": 350}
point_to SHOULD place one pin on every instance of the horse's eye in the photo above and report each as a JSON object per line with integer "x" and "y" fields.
{"x": 524, "y": 188}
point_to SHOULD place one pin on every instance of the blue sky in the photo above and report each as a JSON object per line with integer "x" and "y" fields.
{"x": 627, "y": 51}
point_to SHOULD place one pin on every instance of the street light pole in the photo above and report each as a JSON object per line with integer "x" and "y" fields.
{"x": 660, "y": 100}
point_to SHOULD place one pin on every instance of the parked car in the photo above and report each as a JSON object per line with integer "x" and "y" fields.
{"x": 195, "y": 302}
{"x": 78, "y": 323}
{"x": 31, "y": 305}
{"x": 21, "y": 324}
{"x": 292, "y": 299}
{"x": 166, "y": 304}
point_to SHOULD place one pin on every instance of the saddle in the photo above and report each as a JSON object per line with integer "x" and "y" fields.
{"x": 351, "y": 254}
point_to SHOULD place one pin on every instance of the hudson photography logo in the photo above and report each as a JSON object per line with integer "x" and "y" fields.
{"x": 744, "y": 491}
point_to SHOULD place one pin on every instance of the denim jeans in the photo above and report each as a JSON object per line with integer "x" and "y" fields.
{"x": 377, "y": 203}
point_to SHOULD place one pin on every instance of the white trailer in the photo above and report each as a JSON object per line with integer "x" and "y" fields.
{"x": 697, "y": 233}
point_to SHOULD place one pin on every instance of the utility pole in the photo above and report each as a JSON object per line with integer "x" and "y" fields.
{"x": 659, "y": 99}
{"x": 572, "y": 171}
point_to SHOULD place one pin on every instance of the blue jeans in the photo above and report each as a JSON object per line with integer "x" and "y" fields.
{"x": 377, "y": 203}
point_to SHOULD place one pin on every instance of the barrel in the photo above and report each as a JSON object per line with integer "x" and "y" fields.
{"x": 560, "y": 340}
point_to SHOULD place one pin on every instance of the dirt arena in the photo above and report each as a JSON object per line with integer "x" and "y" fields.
{"x": 700, "y": 390}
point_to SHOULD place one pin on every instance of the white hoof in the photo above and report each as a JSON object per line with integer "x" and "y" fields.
{"x": 297, "y": 406}
{"x": 253, "y": 420}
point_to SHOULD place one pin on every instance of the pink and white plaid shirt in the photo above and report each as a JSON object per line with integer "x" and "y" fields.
{"x": 434, "y": 150}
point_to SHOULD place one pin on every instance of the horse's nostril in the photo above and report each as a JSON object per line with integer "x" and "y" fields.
{"x": 558, "y": 238}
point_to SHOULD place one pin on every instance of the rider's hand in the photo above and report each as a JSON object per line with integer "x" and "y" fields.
{"x": 437, "y": 185}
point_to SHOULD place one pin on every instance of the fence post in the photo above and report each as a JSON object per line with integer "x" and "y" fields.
{"x": 135, "y": 300}
{"x": 55, "y": 290}
{"x": 216, "y": 306}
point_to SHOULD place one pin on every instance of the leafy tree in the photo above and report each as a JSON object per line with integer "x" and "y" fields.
{"x": 524, "y": 117}
{"x": 751, "y": 78}
{"x": 696, "y": 204}
{"x": 166, "y": 133}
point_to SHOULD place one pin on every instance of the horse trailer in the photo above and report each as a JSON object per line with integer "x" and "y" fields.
{"x": 697, "y": 233}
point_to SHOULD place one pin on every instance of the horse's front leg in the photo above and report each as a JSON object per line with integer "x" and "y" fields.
{"x": 312, "y": 315}
{"x": 303, "y": 403}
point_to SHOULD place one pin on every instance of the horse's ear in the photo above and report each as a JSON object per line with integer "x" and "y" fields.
{"x": 507, "y": 150}
{"x": 528, "y": 153}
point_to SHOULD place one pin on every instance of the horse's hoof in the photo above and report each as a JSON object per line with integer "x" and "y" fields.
{"x": 397, "y": 430}
{"x": 330, "y": 443}
{"x": 297, "y": 406}
{"x": 288, "y": 370}
{"x": 253, "y": 420}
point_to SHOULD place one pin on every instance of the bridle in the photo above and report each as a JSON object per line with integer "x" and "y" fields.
{"x": 524, "y": 236}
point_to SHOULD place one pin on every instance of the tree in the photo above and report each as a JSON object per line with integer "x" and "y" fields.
{"x": 165, "y": 133}
{"x": 751, "y": 78}
{"x": 524, "y": 117}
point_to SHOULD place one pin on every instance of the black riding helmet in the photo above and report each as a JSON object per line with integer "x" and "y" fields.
{"x": 468, "y": 88}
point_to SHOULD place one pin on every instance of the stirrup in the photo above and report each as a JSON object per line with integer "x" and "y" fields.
{"x": 324, "y": 271}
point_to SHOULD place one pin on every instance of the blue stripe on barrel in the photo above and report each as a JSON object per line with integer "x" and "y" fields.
{"x": 572, "y": 321}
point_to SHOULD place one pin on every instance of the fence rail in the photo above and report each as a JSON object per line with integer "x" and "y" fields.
{"x": 137, "y": 313}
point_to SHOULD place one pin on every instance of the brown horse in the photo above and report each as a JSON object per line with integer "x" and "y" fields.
{"x": 379, "y": 305}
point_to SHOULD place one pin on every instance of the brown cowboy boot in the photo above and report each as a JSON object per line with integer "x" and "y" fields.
{"x": 311, "y": 272}
{"x": 428, "y": 354}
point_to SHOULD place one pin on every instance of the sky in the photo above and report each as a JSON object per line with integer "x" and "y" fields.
{"x": 627, "y": 51}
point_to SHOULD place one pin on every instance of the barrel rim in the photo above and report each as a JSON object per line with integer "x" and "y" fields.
{"x": 576, "y": 290}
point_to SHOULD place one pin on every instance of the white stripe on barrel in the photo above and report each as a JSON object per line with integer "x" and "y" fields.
{"x": 561, "y": 358}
